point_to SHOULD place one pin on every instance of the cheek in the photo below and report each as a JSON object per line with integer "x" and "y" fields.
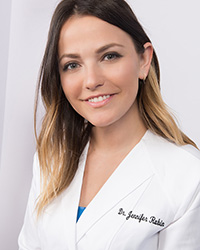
{"x": 127, "y": 76}
{"x": 129, "y": 69}
{"x": 71, "y": 93}
{"x": 70, "y": 88}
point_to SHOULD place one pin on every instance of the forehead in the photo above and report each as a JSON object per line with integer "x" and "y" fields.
{"x": 90, "y": 30}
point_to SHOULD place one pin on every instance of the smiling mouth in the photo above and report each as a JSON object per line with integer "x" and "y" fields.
{"x": 98, "y": 99}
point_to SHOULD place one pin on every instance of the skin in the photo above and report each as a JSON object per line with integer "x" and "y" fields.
{"x": 99, "y": 59}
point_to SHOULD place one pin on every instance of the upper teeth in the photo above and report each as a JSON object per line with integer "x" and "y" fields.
{"x": 99, "y": 98}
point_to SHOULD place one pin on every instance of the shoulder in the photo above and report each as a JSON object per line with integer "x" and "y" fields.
{"x": 163, "y": 150}
{"x": 36, "y": 174}
{"x": 36, "y": 164}
{"x": 177, "y": 169}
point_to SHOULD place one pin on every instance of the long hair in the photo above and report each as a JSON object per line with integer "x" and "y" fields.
{"x": 64, "y": 133}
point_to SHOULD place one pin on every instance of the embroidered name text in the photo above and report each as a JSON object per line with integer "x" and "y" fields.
{"x": 141, "y": 217}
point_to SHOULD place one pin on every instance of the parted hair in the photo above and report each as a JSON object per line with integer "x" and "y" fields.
{"x": 64, "y": 133}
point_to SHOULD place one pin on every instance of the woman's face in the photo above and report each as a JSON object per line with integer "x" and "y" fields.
{"x": 99, "y": 70}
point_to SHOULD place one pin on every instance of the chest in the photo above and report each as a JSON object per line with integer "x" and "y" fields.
{"x": 98, "y": 169}
{"x": 133, "y": 222}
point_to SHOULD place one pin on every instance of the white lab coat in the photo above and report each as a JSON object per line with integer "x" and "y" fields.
{"x": 151, "y": 202}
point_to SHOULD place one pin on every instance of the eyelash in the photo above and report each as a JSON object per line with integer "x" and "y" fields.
{"x": 74, "y": 65}
{"x": 66, "y": 66}
{"x": 114, "y": 55}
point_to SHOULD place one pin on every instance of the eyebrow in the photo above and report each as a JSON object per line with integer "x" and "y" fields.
{"x": 108, "y": 46}
{"x": 98, "y": 51}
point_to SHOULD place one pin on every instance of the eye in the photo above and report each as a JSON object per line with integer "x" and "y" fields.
{"x": 70, "y": 66}
{"x": 111, "y": 56}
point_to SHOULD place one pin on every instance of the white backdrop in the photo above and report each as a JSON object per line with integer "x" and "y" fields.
{"x": 173, "y": 28}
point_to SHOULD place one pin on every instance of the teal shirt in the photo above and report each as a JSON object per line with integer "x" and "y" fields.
{"x": 80, "y": 211}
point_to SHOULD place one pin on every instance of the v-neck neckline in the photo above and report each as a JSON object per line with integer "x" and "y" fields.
{"x": 116, "y": 169}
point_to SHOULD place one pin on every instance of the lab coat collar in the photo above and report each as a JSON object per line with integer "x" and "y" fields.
{"x": 70, "y": 202}
{"x": 133, "y": 171}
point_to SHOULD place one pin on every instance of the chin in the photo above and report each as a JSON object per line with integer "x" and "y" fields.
{"x": 101, "y": 123}
{"x": 105, "y": 120}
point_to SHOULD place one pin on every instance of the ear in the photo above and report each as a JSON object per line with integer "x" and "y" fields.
{"x": 145, "y": 60}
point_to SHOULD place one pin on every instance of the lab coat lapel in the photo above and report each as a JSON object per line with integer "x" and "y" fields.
{"x": 134, "y": 172}
{"x": 70, "y": 202}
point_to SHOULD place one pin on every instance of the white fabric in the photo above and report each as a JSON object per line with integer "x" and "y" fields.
{"x": 157, "y": 182}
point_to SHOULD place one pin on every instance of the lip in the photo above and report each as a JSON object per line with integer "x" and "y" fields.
{"x": 100, "y": 103}
{"x": 96, "y": 96}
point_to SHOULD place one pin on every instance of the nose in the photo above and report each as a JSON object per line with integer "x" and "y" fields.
{"x": 93, "y": 77}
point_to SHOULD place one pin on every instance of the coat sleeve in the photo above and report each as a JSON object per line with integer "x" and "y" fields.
{"x": 184, "y": 233}
{"x": 29, "y": 237}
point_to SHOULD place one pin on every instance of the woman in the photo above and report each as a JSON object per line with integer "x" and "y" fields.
{"x": 112, "y": 169}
